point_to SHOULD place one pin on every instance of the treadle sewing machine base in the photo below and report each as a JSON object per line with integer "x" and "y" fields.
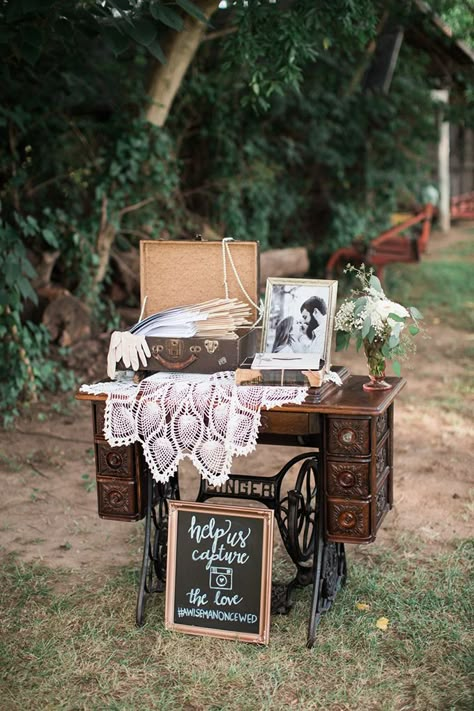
{"x": 342, "y": 492}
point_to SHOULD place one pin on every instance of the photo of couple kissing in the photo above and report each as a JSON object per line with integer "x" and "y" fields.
{"x": 303, "y": 331}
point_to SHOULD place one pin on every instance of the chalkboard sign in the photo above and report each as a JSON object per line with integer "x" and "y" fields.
{"x": 219, "y": 571}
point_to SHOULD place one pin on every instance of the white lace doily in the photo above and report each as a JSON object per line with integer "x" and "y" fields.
{"x": 207, "y": 418}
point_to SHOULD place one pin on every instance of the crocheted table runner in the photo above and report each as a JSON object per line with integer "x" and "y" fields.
{"x": 207, "y": 418}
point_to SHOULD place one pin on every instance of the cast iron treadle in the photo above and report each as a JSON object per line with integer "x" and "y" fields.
{"x": 153, "y": 572}
{"x": 330, "y": 574}
{"x": 299, "y": 519}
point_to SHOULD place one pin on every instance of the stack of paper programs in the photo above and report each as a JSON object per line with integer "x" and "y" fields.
{"x": 218, "y": 318}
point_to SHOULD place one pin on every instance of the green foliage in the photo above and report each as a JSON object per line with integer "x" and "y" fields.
{"x": 324, "y": 164}
{"x": 270, "y": 138}
{"x": 459, "y": 17}
{"x": 27, "y": 25}
{"x": 77, "y": 154}
{"x": 384, "y": 328}
{"x": 275, "y": 44}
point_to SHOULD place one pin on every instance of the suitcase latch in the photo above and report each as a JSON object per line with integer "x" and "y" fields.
{"x": 174, "y": 348}
{"x": 211, "y": 346}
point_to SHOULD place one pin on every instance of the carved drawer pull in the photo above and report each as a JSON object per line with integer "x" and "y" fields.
{"x": 346, "y": 479}
{"x": 347, "y": 436}
{"x": 347, "y": 519}
{"x": 115, "y": 498}
{"x": 114, "y": 460}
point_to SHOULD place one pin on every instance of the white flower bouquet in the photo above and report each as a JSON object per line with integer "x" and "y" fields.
{"x": 382, "y": 326}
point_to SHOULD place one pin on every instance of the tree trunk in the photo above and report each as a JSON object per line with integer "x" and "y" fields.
{"x": 290, "y": 262}
{"x": 105, "y": 239}
{"x": 179, "y": 52}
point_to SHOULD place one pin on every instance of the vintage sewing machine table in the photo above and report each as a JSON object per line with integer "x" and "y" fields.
{"x": 342, "y": 492}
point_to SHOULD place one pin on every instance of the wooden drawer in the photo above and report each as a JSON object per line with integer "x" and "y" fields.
{"x": 348, "y": 520}
{"x": 348, "y": 436}
{"x": 115, "y": 461}
{"x": 118, "y": 500}
{"x": 348, "y": 479}
{"x": 289, "y": 423}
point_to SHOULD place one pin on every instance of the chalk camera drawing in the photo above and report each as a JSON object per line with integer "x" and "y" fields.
{"x": 299, "y": 317}
{"x": 220, "y": 578}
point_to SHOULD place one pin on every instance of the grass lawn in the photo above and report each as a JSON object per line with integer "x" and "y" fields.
{"x": 444, "y": 286}
{"x": 75, "y": 646}
{"x": 70, "y": 642}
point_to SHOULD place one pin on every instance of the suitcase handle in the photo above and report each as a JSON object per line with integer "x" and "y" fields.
{"x": 173, "y": 365}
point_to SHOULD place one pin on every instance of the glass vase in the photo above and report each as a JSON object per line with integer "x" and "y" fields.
{"x": 376, "y": 366}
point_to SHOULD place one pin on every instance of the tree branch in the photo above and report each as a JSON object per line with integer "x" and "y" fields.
{"x": 136, "y": 206}
{"x": 219, "y": 33}
{"x": 135, "y": 233}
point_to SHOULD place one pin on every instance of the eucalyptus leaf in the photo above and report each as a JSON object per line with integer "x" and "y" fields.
{"x": 413, "y": 329}
{"x": 397, "y": 329}
{"x": 397, "y": 369}
{"x": 395, "y": 317}
{"x": 366, "y": 327}
{"x": 359, "y": 305}
{"x": 415, "y": 313}
{"x": 359, "y": 343}
{"x": 342, "y": 340}
{"x": 375, "y": 283}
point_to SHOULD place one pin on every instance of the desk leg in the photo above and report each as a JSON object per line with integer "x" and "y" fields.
{"x": 146, "y": 547}
{"x": 304, "y": 538}
{"x": 153, "y": 571}
{"x": 330, "y": 572}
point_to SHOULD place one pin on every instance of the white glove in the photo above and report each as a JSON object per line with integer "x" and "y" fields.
{"x": 129, "y": 348}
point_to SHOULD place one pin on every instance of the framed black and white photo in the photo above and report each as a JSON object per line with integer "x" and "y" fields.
{"x": 298, "y": 323}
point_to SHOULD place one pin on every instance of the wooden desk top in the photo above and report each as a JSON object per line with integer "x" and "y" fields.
{"x": 350, "y": 398}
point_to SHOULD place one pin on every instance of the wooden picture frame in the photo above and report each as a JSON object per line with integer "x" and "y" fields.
{"x": 219, "y": 571}
{"x": 299, "y": 319}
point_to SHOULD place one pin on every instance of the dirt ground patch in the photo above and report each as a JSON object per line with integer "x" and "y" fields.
{"x": 49, "y": 507}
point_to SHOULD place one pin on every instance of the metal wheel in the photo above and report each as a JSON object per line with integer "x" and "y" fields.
{"x": 302, "y": 513}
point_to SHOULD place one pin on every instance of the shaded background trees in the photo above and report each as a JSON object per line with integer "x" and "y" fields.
{"x": 270, "y": 135}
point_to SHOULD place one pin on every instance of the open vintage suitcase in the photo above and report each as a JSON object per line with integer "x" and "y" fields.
{"x": 180, "y": 273}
